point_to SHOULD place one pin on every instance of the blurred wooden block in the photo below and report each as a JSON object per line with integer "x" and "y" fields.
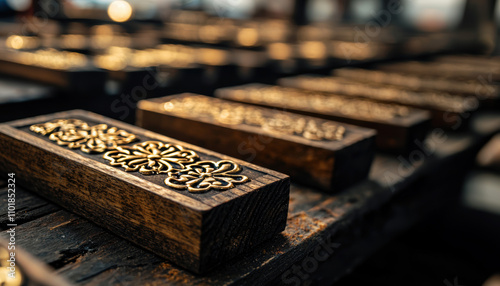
{"x": 481, "y": 89}
{"x": 446, "y": 109}
{"x": 192, "y": 206}
{"x": 85, "y": 80}
{"x": 450, "y": 70}
{"x": 398, "y": 127}
{"x": 313, "y": 151}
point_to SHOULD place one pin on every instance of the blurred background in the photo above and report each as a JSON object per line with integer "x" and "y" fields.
{"x": 106, "y": 55}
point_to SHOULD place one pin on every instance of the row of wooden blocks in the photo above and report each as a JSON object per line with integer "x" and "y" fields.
{"x": 199, "y": 208}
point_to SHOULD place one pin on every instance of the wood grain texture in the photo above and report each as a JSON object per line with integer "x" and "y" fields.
{"x": 196, "y": 231}
{"x": 28, "y": 207}
{"x": 28, "y": 269}
{"x": 326, "y": 164}
{"x": 395, "y": 135}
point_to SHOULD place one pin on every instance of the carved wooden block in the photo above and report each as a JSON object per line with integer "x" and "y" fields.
{"x": 192, "y": 206}
{"x": 451, "y": 70}
{"x": 445, "y": 108}
{"x": 482, "y": 89}
{"x": 313, "y": 151}
{"x": 67, "y": 70}
{"x": 398, "y": 127}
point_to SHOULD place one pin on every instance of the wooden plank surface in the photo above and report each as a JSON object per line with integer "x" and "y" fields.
{"x": 353, "y": 223}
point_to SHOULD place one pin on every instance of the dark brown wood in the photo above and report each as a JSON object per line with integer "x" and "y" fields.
{"x": 26, "y": 270}
{"x": 477, "y": 60}
{"x": 398, "y": 127}
{"x": 306, "y": 155}
{"x": 458, "y": 71}
{"x": 197, "y": 231}
{"x": 482, "y": 89}
{"x": 445, "y": 108}
{"x": 28, "y": 207}
{"x": 82, "y": 80}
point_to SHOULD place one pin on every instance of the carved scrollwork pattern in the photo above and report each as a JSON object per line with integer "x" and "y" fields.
{"x": 151, "y": 157}
{"x": 205, "y": 175}
{"x": 77, "y": 134}
{"x": 183, "y": 167}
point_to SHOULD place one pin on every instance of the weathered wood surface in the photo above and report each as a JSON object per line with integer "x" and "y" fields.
{"x": 194, "y": 230}
{"x": 353, "y": 224}
{"x": 28, "y": 270}
{"x": 398, "y": 127}
{"x": 296, "y": 145}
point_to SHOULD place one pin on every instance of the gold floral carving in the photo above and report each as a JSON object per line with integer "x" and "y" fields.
{"x": 151, "y": 157}
{"x": 76, "y": 134}
{"x": 183, "y": 169}
{"x": 233, "y": 113}
{"x": 205, "y": 175}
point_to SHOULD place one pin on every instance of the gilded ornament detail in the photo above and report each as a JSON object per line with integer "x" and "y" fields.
{"x": 183, "y": 167}
{"x": 205, "y": 175}
{"x": 76, "y": 134}
{"x": 233, "y": 114}
{"x": 151, "y": 157}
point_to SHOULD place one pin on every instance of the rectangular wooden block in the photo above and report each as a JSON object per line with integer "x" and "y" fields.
{"x": 460, "y": 71}
{"x": 192, "y": 206}
{"x": 482, "y": 89}
{"x": 71, "y": 71}
{"x": 398, "y": 127}
{"x": 313, "y": 151}
{"x": 445, "y": 108}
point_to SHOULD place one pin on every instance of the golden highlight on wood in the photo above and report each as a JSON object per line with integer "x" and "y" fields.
{"x": 292, "y": 98}
{"x": 232, "y": 114}
{"x": 205, "y": 175}
{"x": 77, "y": 134}
{"x": 183, "y": 168}
{"x": 151, "y": 157}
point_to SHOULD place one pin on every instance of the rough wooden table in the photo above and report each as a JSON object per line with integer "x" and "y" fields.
{"x": 326, "y": 235}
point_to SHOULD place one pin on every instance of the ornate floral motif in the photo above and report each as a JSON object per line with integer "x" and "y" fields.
{"x": 205, "y": 175}
{"x": 148, "y": 158}
{"x": 234, "y": 114}
{"x": 59, "y": 125}
{"x": 151, "y": 157}
{"x": 77, "y": 134}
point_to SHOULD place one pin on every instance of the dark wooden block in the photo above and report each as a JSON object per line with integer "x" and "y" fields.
{"x": 192, "y": 206}
{"x": 313, "y": 151}
{"x": 460, "y": 71}
{"x": 445, "y": 108}
{"x": 82, "y": 77}
{"x": 398, "y": 127}
{"x": 482, "y": 89}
